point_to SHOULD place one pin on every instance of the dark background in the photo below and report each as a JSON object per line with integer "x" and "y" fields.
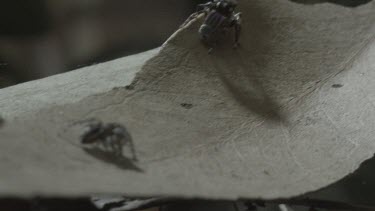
{"x": 39, "y": 38}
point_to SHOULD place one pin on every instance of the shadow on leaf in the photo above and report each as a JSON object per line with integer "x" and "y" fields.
{"x": 121, "y": 162}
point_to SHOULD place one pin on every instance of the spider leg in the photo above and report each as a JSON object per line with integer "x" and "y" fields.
{"x": 237, "y": 29}
{"x": 116, "y": 145}
{"x": 212, "y": 46}
{"x": 119, "y": 145}
{"x": 132, "y": 149}
{"x": 107, "y": 144}
{"x": 128, "y": 141}
{"x": 191, "y": 17}
{"x": 201, "y": 9}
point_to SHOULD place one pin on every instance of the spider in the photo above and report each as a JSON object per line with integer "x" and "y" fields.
{"x": 110, "y": 136}
{"x": 219, "y": 18}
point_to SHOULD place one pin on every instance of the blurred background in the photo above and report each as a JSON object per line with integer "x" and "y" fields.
{"x": 39, "y": 38}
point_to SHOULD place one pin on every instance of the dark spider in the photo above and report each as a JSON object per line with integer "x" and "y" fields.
{"x": 219, "y": 18}
{"x": 111, "y": 137}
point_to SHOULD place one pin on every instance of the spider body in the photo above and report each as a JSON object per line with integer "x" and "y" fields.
{"x": 111, "y": 137}
{"x": 214, "y": 24}
{"x": 220, "y": 16}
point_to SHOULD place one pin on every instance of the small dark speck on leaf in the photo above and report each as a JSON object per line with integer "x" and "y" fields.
{"x": 116, "y": 88}
{"x": 266, "y": 172}
{"x": 337, "y": 85}
{"x": 187, "y": 105}
{"x": 129, "y": 87}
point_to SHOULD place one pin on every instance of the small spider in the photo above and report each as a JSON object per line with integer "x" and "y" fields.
{"x": 219, "y": 18}
{"x": 111, "y": 137}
